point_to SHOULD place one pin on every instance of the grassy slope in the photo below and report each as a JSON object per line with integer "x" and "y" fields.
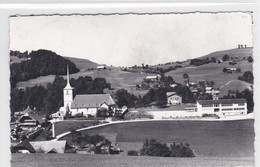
{"x": 120, "y": 79}
{"x": 234, "y": 85}
{"x": 210, "y": 72}
{"x": 207, "y": 138}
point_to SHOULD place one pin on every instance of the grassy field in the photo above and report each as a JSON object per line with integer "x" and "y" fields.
{"x": 210, "y": 72}
{"x": 79, "y": 160}
{"x": 207, "y": 138}
{"x": 121, "y": 79}
{"x": 68, "y": 125}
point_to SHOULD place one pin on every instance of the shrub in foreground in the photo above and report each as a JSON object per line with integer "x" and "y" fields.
{"x": 132, "y": 153}
{"x": 155, "y": 148}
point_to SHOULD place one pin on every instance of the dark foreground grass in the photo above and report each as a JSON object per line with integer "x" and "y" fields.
{"x": 80, "y": 160}
{"x": 206, "y": 138}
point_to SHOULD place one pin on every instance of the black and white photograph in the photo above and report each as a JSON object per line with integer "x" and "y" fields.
{"x": 132, "y": 89}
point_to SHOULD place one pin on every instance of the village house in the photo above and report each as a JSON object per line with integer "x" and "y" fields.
{"x": 173, "y": 98}
{"x": 18, "y": 114}
{"x": 101, "y": 67}
{"x": 59, "y": 146}
{"x": 222, "y": 107}
{"x": 209, "y": 90}
{"x": 30, "y": 121}
{"x": 153, "y": 78}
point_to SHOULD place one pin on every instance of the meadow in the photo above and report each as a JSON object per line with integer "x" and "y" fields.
{"x": 121, "y": 79}
{"x": 80, "y": 160}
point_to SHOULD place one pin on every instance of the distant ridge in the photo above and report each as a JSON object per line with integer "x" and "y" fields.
{"x": 82, "y": 63}
{"x": 244, "y": 52}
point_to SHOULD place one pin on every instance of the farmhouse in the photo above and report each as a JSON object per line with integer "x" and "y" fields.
{"x": 173, "y": 98}
{"x": 222, "y": 107}
{"x": 50, "y": 146}
{"x": 84, "y": 105}
{"x": 101, "y": 67}
{"x": 153, "y": 78}
{"x": 30, "y": 120}
{"x": 209, "y": 90}
{"x": 21, "y": 113}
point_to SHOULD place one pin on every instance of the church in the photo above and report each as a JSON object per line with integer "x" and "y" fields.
{"x": 86, "y": 104}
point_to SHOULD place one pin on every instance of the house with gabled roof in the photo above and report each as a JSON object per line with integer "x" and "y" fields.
{"x": 59, "y": 146}
{"x": 21, "y": 113}
{"x": 30, "y": 120}
{"x": 173, "y": 98}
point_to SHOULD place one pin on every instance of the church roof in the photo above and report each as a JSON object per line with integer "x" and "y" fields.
{"x": 92, "y": 100}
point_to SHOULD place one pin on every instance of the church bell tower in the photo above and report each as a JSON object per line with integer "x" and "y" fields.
{"x": 68, "y": 92}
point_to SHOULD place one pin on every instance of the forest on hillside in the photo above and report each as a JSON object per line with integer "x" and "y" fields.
{"x": 38, "y": 63}
{"x": 49, "y": 99}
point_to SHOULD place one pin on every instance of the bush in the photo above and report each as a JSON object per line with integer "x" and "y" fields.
{"x": 181, "y": 150}
{"x": 132, "y": 153}
{"x": 155, "y": 148}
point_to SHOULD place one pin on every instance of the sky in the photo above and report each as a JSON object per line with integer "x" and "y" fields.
{"x": 131, "y": 39}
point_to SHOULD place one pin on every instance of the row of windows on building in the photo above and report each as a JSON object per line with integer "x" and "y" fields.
{"x": 228, "y": 109}
{"x": 223, "y": 105}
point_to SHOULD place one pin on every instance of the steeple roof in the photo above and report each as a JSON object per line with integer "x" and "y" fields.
{"x": 68, "y": 79}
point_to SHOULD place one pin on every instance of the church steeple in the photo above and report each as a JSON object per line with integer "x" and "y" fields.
{"x": 68, "y": 92}
{"x": 68, "y": 79}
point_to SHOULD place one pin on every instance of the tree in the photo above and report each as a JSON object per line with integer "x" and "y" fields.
{"x": 185, "y": 76}
{"x": 250, "y": 59}
{"x": 160, "y": 97}
{"x": 247, "y": 77}
{"x": 224, "y": 70}
{"x": 154, "y": 148}
{"x": 238, "y": 70}
{"x": 125, "y": 99}
{"x": 225, "y": 57}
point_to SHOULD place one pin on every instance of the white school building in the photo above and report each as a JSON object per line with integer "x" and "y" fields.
{"x": 222, "y": 107}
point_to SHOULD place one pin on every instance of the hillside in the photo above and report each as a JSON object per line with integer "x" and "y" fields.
{"x": 234, "y": 85}
{"x": 207, "y": 138}
{"x": 127, "y": 80}
{"x": 83, "y": 64}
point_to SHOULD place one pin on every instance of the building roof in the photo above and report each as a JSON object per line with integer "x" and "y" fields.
{"x": 169, "y": 94}
{"x": 36, "y": 117}
{"x": 222, "y": 101}
{"x": 152, "y": 77}
{"x": 68, "y": 79}
{"x": 50, "y": 146}
{"x": 92, "y": 100}
{"x": 27, "y": 110}
{"x": 24, "y": 145}
{"x": 100, "y": 66}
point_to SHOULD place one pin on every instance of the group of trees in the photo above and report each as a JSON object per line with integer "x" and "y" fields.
{"x": 199, "y": 62}
{"x": 227, "y": 70}
{"x": 155, "y": 96}
{"x": 247, "y": 77}
{"x": 77, "y": 138}
{"x": 41, "y": 63}
{"x": 50, "y": 98}
{"x": 154, "y": 148}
